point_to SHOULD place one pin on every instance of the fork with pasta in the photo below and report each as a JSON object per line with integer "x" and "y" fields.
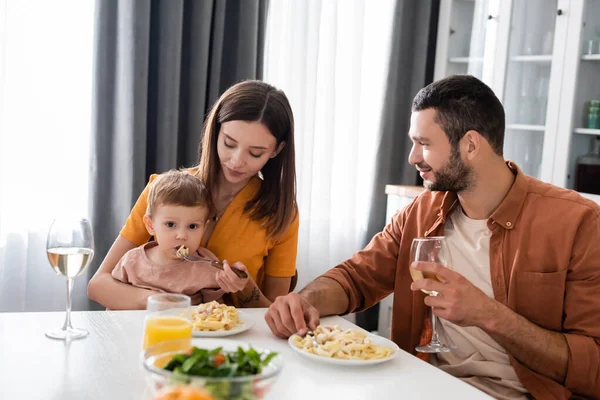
{"x": 333, "y": 342}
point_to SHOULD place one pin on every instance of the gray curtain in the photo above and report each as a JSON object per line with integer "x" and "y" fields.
{"x": 407, "y": 75}
{"x": 159, "y": 65}
{"x": 411, "y": 51}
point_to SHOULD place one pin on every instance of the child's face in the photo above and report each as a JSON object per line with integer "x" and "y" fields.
{"x": 175, "y": 226}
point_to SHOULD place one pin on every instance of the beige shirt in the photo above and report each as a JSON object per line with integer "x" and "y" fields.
{"x": 183, "y": 277}
{"x": 478, "y": 359}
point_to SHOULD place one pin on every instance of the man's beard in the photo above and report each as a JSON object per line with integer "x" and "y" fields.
{"x": 454, "y": 176}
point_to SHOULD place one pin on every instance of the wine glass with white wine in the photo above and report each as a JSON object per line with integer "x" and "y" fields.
{"x": 70, "y": 249}
{"x": 431, "y": 250}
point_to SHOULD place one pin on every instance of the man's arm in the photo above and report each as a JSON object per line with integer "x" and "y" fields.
{"x": 356, "y": 283}
{"x": 539, "y": 349}
{"x": 370, "y": 274}
{"x": 464, "y": 304}
{"x": 327, "y": 296}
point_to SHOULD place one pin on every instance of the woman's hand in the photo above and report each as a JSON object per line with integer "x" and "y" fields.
{"x": 229, "y": 281}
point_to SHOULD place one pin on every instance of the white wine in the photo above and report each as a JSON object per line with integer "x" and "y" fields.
{"x": 418, "y": 275}
{"x": 69, "y": 261}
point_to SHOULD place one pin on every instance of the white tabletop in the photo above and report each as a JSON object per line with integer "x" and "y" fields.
{"x": 106, "y": 364}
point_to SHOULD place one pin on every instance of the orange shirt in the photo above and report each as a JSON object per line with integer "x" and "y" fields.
{"x": 544, "y": 265}
{"x": 235, "y": 237}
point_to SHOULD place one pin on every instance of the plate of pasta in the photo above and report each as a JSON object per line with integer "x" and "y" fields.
{"x": 334, "y": 345}
{"x": 218, "y": 320}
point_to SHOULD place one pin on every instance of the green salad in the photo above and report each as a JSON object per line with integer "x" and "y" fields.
{"x": 215, "y": 363}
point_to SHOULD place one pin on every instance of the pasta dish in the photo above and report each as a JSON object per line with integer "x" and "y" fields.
{"x": 215, "y": 317}
{"x": 333, "y": 342}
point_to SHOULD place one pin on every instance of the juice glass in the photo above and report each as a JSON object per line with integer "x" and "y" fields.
{"x": 169, "y": 318}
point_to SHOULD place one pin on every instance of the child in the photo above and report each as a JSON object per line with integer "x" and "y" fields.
{"x": 179, "y": 206}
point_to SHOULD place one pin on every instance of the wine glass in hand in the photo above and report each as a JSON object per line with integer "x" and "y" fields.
{"x": 431, "y": 250}
{"x": 70, "y": 249}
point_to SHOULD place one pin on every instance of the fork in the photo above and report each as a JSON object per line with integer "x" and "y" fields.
{"x": 218, "y": 264}
{"x": 312, "y": 335}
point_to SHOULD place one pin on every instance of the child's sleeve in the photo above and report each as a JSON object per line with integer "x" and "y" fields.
{"x": 120, "y": 271}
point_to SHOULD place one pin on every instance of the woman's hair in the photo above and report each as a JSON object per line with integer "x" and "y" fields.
{"x": 177, "y": 188}
{"x": 275, "y": 202}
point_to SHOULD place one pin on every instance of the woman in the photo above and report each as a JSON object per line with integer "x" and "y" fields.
{"x": 248, "y": 135}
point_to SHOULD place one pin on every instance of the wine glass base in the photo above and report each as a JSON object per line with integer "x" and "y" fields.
{"x": 67, "y": 334}
{"x": 435, "y": 348}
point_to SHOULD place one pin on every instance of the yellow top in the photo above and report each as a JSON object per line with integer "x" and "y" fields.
{"x": 235, "y": 236}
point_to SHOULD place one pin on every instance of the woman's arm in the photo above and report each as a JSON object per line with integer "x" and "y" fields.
{"x": 280, "y": 264}
{"x": 252, "y": 297}
{"x": 275, "y": 286}
{"x": 109, "y": 292}
{"x": 246, "y": 290}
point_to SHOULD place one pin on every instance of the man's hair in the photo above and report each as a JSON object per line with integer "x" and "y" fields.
{"x": 177, "y": 188}
{"x": 463, "y": 103}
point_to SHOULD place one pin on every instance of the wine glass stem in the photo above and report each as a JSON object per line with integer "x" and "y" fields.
{"x": 435, "y": 339}
{"x": 67, "y": 324}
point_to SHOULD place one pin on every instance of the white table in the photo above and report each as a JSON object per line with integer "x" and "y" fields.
{"x": 106, "y": 364}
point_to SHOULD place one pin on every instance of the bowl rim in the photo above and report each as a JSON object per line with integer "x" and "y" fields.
{"x": 277, "y": 362}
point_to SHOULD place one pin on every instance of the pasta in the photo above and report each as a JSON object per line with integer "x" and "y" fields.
{"x": 349, "y": 344}
{"x": 215, "y": 317}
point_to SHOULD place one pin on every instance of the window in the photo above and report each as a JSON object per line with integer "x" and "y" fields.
{"x": 46, "y": 55}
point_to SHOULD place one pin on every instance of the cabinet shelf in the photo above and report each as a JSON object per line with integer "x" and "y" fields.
{"x": 525, "y": 127}
{"x": 587, "y": 131}
{"x": 590, "y": 57}
{"x": 464, "y": 60}
{"x": 593, "y": 197}
{"x": 534, "y": 59}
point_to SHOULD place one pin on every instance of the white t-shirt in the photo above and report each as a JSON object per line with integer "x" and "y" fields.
{"x": 478, "y": 359}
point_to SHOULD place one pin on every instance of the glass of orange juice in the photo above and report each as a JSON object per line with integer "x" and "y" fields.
{"x": 169, "y": 318}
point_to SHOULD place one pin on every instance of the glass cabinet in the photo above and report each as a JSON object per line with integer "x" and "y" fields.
{"x": 542, "y": 59}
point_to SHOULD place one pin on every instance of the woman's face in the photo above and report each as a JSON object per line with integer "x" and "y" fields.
{"x": 244, "y": 148}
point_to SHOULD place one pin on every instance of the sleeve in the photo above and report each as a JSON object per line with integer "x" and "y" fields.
{"x": 281, "y": 260}
{"x": 581, "y": 325}
{"x": 370, "y": 274}
{"x": 120, "y": 272}
{"x": 134, "y": 229}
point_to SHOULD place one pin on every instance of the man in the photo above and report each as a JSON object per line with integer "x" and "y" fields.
{"x": 522, "y": 303}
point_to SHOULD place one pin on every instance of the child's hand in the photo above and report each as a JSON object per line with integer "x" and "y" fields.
{"x": 228, "y": 280}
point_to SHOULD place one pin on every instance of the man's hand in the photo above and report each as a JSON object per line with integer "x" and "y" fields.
{"x": 291, "y": 314}
{"x": 458, "y": 300}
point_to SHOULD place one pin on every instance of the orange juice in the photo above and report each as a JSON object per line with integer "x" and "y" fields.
{"x": 161, "y": 329}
